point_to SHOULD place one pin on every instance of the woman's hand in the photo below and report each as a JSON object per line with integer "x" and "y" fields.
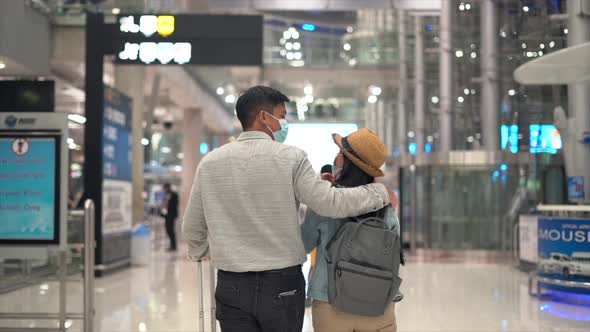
{"x": 328, "y": 177}
{"x": 392, "y": 197}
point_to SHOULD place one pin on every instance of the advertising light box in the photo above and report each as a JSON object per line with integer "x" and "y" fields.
{"x": 544, "y": 138}
{"x": 316, "y": 140}
{"x": 564, "y": 248}
{"x": 29, "y": 191}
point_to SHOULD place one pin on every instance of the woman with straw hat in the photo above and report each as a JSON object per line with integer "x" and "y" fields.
{"x": 358, "y": 163}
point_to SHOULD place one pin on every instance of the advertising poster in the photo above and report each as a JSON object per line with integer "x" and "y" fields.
{"x": 29, "y": 199}
{"x": 575, "y": 187}
{"x": 564, "y": 248}
{"x": 528, "y": 240}
{"x": 116, "y": 145}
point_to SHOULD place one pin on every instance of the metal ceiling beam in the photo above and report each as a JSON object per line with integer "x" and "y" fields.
{"x": 384, "y": 77}
{"x": 327, "y": 5}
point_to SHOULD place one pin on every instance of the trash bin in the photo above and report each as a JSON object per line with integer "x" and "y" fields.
{"x": 140, "y": 245}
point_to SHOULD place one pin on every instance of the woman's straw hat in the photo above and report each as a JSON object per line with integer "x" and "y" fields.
{"x": 365, "y": 149}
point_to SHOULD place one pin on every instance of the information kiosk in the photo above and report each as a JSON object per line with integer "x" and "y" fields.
{"x": 33, "y": 211}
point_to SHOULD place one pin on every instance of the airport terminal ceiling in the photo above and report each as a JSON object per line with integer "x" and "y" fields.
{"x": 364, "y": 44}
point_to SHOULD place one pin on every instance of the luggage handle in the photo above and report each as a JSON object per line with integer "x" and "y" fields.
{"x": 201, "y": 297}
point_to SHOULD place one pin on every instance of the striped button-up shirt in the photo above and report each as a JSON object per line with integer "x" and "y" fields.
{"x": 242, "y": 210}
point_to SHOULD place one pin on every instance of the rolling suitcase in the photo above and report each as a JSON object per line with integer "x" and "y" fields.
{"x": 202, "y": 297}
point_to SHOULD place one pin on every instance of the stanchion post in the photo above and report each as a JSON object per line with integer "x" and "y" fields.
{"x": 63, "y": 275}
{"x": 89, "y": 248}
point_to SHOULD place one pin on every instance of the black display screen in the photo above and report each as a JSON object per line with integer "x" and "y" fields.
{"x": 27, "y": 96}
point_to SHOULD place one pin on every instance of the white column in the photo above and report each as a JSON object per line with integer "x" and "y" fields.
{"x": 403, "y": 84}
{"x": 446, "y": 75}
{"x": 192, "y": 136}
{"x": 380, "y": 119}
{"x": 129, "y": 80}
{"x": 419, "y": 83}
{"x": 389, "y": 121}
{"x": 579, "y": 97}
{"x": 490, "y": 98}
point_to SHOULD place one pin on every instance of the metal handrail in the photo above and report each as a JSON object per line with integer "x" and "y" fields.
{"x": 515, "y": 242}
{"x": 89, "y": 249}
{"x": 535, "y": 277}
{"x": 563, "y": 208}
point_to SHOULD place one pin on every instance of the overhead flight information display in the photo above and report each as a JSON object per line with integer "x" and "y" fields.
{"x": 29, "y": 191}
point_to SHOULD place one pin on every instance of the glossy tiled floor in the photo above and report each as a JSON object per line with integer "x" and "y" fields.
{"x": 450, "y": 297}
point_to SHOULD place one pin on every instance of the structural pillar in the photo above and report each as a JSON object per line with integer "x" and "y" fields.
{"x": 370, "y": 116}
{"x": 192, "y": 136}
{"x": 403, "y": 83}
{"x": 129, "y": 80}
{"x": 380, "y": 119}
{"x": 419, "y": 101}
{"x": 149, "y": 115}
{"x": 490, "y": 98}
{"x": 389, "y": 121}
{"x": 579, "y": 96}
{"x": 446, "y": 75}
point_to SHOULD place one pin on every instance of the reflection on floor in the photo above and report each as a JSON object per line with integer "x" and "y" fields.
{"x": 450, "y": 296}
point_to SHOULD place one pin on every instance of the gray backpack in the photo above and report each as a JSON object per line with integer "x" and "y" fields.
{"x": 363, "y": 265}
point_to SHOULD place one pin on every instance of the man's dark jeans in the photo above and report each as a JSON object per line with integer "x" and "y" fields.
{"x": 269, "y": 301}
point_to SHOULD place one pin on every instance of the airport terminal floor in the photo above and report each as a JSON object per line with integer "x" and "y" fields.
{"x": 443, "y": 293}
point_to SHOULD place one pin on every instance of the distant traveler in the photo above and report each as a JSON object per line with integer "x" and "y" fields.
{"x": 170, "y": 215}
{"x": 243, "y": 213}
{"x": 361, "y": 155}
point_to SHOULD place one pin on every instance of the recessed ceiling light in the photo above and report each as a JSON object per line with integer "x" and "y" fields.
{"x": 2, "y": 65}
{"x": 116, "y": 11}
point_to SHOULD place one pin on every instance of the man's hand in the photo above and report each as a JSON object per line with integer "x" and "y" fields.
{"x": 392, "y": 197}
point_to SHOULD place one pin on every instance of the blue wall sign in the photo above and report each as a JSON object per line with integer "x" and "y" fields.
{"x": 116, "y": 141}
{"x": 117, "y": 188}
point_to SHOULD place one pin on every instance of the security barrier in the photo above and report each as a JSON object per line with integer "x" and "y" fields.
{"x": 64, "y": 256}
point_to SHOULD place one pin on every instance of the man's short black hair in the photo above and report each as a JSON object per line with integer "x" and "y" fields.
{"x": 326, "y": 169}
{"x": 254, "y": 100}
{"x": 167, "y": 186}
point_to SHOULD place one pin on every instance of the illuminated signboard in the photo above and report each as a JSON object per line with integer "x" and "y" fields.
{"x": 148, "y": 25}
{"x": 152, "y": 52}
{"x": 544, "y": 138}
{"x": 164, "y": 53}
{"x": 509, "y": 138}
{"x": 175, "y": 39}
